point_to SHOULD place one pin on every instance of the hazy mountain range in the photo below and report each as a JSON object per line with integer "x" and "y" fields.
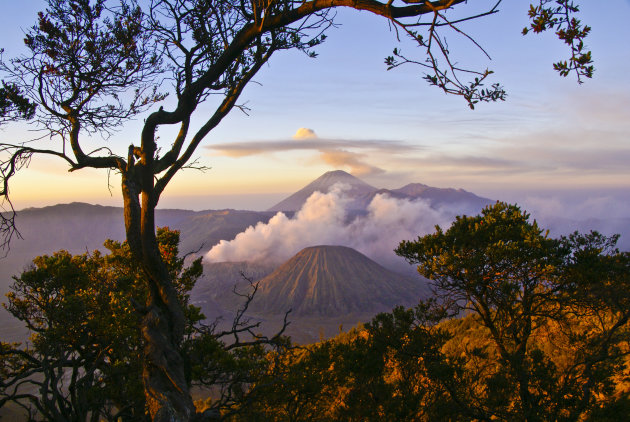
{"x": 362, "y": 194}
{"x": 324, "y": 285}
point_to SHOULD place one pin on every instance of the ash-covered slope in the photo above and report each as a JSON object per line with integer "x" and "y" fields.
{"x": 220, "y": 280}
{"x": 331, "y": 281}
{"x": 324, "y": 183}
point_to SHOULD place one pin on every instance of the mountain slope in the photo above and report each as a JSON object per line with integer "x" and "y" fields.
{"x": 220, "y": 280}
{"x": 444, "y": 196}
{"x": 334, "y": 281}
{"x": 323, "y": 184}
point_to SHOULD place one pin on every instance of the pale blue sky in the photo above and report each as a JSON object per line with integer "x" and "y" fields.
{"x": 550, "y": 138}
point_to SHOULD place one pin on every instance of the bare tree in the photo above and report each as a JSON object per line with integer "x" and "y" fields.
{"x": 95, "y": 64}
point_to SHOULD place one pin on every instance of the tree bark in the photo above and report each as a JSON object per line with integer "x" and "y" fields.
{"x": 166, "y": 390}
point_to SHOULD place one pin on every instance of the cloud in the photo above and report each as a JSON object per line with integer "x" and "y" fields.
{"x": 241, "y": 149}
{"x": 582, "y": 142}
{"x": 338, "y": 153}
{"x": 559, "y": 159}
{"x": 597, "y": 205}
{"x": 305, "y": 133}
{"x": 341, "y": 158}
{"x": 325, "y": 220}
{"x": 468, "y": 164}
{"x": 562, "y": 215}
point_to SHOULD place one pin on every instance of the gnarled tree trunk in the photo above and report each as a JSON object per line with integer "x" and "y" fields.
{"x": 167, "y": 394}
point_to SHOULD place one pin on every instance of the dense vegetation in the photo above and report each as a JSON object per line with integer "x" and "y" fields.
{"x": 84, "y": 358}
{"x": 521, "y": 327}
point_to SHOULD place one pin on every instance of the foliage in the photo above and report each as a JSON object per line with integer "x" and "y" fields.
{"x": 89, "y": 54}
{"x": 84, "y": 358}
{"x": 559, "y": 15}
{"x": 522, "y": 327}
{"x": 528, "y": 290}
{"x": 13, "y": 104}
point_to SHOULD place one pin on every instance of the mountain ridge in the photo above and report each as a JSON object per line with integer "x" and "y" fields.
{"x": 362, "y": 194}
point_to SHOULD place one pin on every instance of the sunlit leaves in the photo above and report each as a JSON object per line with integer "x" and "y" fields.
{"x": 556, "y": 310}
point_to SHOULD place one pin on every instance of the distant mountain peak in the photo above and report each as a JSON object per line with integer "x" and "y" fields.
{"x": 443, "y": 195}
{"x": 336, "y": 173}
{"x": 323, "y": 184}
{"x": 339, "y": 176}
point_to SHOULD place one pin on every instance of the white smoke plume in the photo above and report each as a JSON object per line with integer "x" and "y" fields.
{"x": 325, "y": 219}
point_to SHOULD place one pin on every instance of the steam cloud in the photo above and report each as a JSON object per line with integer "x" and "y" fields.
{"x": 325, "y": 219}
{"x": 342, "y": 158}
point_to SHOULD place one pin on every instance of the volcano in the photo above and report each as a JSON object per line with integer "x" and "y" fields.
{"x": 331, "y": 281}
{"x": 355, "y": 188}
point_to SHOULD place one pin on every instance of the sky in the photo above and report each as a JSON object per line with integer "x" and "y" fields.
{"x": 553, "y": 145}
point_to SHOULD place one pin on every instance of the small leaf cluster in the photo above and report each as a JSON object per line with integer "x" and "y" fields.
{"x": 13, "y": 104}
{"x": 557, "y": 15}
{"x": 473, "y": 92}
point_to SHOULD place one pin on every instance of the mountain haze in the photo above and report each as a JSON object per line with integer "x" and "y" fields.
{"x": 79, "y": 227}
{"x": 205, "y": 229}
{"x": 332, "y": 281}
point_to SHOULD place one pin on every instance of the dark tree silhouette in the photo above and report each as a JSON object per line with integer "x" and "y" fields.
{"x": 94, "y": 64}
